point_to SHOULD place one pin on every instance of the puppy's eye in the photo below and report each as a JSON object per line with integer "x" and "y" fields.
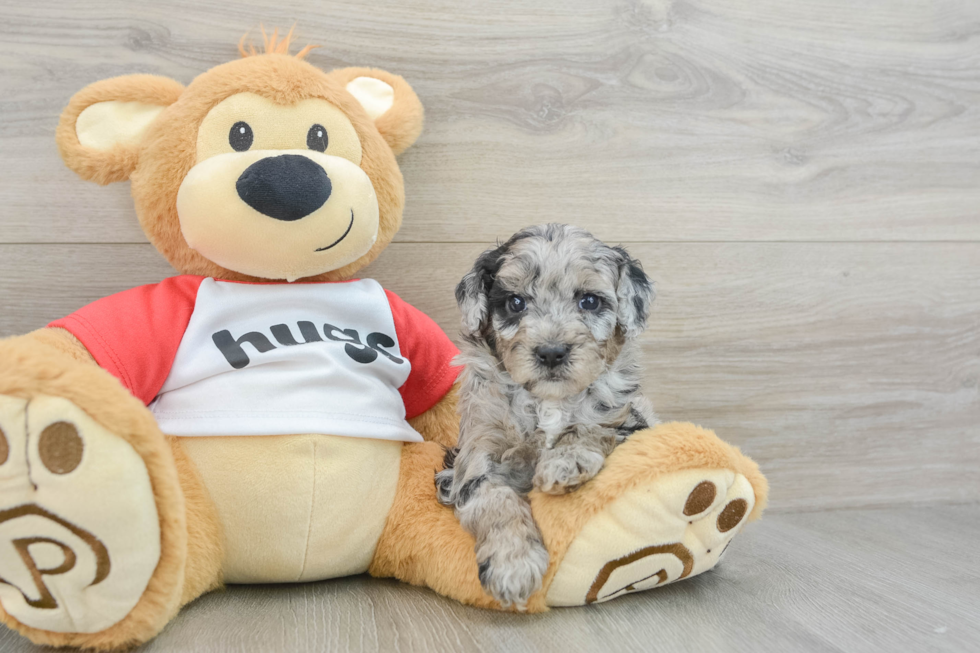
{"x": 316, "y": 138}
{"x": 589, "y": 302}
{"x": 516, "y": 303}
{"x": 240, "y": 137}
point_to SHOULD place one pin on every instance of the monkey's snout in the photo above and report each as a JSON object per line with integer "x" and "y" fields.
{"x": 286, "y": 187}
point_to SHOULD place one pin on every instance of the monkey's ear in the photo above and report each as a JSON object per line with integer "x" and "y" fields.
{"x": 102, "y": 126}
{"x": 473, "y": 292}
{"x": 634, "y": 294}
{"x": 389, "y": 101}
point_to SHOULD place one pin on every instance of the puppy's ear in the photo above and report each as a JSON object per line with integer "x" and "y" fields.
{"x": 634, "y": 293}
{"x": 101, "y": 128}
{"x": 389, "y": 101}
{"x": 472, "y": 293}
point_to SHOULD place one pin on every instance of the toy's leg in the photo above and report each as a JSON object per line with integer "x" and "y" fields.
{"x": 99, "y": 542}
{"x": 664, "y": 507}
{"x": 423, "y": 543}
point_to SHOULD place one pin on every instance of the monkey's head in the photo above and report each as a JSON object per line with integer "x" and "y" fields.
{"x": 262, "y": 168}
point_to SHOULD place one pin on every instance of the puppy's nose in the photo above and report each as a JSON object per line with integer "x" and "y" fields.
{"x": 286, "y": 187}
{"x": 552, "y": 355}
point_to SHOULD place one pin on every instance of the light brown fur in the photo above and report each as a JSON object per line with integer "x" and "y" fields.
{"x": 45, "y": 363}
{"x": 422, "y": 543}
{"x": 167, "y": 151}
{"x": 273, "y": 45}
{"x": 118, "y": 163}
{"x": 204, "y": 537}
{"x": 54, "y": 362}
{"x": 645, "y": 456}
{"x": 440, "y": 424}
{"x": 163, "y": 159}
{"x": 204, "y": 551}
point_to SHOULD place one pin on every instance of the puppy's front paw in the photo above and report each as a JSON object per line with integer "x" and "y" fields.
{"x": 563, "y": 470}
{"x": 512, "y": 577}
{"x": 444, "y": 486}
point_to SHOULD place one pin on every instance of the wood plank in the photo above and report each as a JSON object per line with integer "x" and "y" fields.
{"x": 849, "y": 372}
{"x": 703, "y": 120}
{"x": 858, "y": 580}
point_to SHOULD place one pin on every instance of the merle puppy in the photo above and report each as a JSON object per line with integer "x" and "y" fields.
{"x": 550, "y": 386}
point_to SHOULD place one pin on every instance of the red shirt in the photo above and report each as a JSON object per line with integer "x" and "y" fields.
{"x": 215, "y": 357}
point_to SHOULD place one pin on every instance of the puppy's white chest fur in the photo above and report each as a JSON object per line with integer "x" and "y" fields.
{"x": 551, "y": 420}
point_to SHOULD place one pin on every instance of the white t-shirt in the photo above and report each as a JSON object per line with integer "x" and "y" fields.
{"x": 215, "y": 357}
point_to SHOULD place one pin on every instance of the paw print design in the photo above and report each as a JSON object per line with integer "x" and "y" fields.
{"x": 674, "y": 528}
{"x": 79, "y": 532}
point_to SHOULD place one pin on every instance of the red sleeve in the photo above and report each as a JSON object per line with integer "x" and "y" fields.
{"x": 429, "y": 350}
{"x": 135, "y": 334}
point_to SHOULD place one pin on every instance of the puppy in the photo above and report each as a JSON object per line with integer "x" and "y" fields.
{"x": 551, "y": 384}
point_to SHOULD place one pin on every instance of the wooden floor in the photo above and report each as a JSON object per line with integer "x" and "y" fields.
{"x": 887, "y": 579}
{"x": 802, "y": 181}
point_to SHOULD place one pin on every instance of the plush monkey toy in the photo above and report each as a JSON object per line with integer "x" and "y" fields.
{"x": 266, "y": 416}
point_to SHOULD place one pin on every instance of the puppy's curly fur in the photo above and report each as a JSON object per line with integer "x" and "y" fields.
{"x": 551, "y": 384}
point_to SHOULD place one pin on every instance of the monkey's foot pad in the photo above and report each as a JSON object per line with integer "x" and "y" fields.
{"x": 673, "y": 528}
{"x": 79, "y": 533}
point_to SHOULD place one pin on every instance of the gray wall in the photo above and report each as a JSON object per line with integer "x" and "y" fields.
{"x": 801, "y": 179}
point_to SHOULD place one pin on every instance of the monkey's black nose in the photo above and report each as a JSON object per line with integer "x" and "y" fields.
{"x": 552, "y": 355}
{"x": 286, "y": 187}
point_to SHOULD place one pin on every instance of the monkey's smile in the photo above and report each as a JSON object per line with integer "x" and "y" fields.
{"x": 323, "y": 249}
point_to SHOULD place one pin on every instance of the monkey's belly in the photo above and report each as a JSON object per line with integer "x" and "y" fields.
{"x": 297, "y": 507}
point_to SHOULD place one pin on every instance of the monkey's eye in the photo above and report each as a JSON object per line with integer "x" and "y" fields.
{"x": 316, "y": 138}
{"x": 240, "y": 137}
{"x": 589, "y": 302}
{"x": 516, "y": 304}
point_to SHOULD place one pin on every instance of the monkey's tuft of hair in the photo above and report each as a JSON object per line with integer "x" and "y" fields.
{"x": 272, "y": 44}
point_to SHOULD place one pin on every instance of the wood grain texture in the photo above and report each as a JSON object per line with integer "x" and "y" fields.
{"x": 654, "y": 120}
{"x": 858, "y": 581}
{"x": 848, "y": 371}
